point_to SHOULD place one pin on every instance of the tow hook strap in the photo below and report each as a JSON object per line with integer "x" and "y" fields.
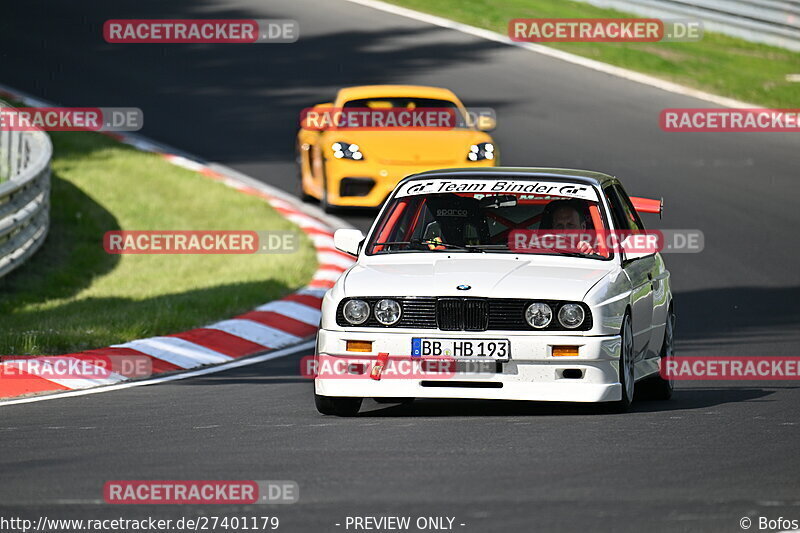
{"x": 380, "y": 364}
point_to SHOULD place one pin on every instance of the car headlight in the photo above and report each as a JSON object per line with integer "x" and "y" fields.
{"x": 387, "y": 312}
{"x": 480, "y": 151}
{"x": 356, "y": 311}
{"x": 538, "y": 315}
{"x": 571, "y": 315}
{"x": 342, "y": 150}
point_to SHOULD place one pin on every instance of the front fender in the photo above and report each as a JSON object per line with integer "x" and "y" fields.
{"x": 331, "y": 300}
{"x": 608, "y": 300}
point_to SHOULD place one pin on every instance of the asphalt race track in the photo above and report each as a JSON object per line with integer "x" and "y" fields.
{"x": 717, "y": 452}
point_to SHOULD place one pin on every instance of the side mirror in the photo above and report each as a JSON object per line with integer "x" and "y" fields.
{"x": 348, "y": 240}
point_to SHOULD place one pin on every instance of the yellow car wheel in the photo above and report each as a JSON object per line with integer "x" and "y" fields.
{"x": 304, "y": 196}
{"x": 323, "y": 200}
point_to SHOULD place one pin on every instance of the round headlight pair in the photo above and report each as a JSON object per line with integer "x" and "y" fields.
{"x": 387, "y": 312}
{"x": 539, "y": 315}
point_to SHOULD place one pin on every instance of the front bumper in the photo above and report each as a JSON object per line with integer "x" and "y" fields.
{"x": 532, "y": 372}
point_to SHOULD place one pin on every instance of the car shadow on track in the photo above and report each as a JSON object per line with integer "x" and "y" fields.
{"x": 683, "y": 399}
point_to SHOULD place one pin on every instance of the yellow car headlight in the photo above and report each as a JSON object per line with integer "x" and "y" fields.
{"x": 343, "y": 150}
{"x": 480, "y": 151}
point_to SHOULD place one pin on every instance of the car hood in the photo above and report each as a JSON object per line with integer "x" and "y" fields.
{"x": 412, "y": 147}
{"x": 542, "y": 277}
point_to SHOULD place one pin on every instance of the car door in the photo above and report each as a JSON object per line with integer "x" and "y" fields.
{"x": 661, "y": 303}
{"x": 639, "y": 272}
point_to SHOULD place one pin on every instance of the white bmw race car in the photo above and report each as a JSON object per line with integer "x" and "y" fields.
{"x": 505, "y": 283}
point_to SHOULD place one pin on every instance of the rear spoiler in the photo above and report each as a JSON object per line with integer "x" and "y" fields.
{"x": 648, "y": 205}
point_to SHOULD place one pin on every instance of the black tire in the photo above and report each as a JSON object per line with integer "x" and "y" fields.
{"x": 626, "y": 375}
{"x": 402, "y": 401}
{"x": 656, "y": 387}
{"x": 302, "y": 193}
{"x": 305, "y": 197}
{"x": 323, "y": 201}
{"x": 330, "y": 405}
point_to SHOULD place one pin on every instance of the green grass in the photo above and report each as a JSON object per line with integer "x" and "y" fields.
{"x": 72, "y": 295}
{"x": 718, "y": 64}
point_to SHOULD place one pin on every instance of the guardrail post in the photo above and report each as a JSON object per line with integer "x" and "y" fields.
{"x": 25, "y": 158}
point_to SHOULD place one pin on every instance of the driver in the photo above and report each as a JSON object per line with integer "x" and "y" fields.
{"x": 566, "y": 215}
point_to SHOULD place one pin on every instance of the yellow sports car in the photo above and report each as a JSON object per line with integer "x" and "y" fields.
{"x": 352, "y": 152}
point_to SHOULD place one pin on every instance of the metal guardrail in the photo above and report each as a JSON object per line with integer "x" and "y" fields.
{"x": 774, "y": 22}
{"x": 24, "y": 195}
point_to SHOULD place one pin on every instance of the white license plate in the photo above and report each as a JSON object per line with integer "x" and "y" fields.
{"x": 484, "y": 349}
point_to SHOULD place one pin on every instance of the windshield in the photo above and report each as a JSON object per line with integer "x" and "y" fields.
{"x": 468, "y": 222}
{"x": 429, "y": 112}
{"x": 404, "y": 102}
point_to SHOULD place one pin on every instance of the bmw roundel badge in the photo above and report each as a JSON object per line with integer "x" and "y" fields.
{"x": 464, "y": 287}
